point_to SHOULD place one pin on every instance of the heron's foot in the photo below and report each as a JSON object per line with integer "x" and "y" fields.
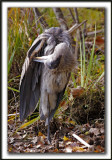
{"x": 48, "y": 137}
{"x": 48, "y": 134}
{"x": 49, "y": 141}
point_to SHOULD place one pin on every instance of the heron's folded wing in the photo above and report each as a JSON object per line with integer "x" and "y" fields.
{"x": 30, "y": 83}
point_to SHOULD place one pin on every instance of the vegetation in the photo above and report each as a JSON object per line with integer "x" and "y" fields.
{"x": 83, "y": 102}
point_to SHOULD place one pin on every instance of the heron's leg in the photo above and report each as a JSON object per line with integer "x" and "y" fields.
{"x": 48, "y": 127}
{"x": 48, "y": 130}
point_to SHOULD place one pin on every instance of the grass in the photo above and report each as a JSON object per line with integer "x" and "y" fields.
{"x": 86, "y": 69}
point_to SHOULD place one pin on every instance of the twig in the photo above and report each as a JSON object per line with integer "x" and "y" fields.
{"x": 92, "y": 33}
{"x": 13, "y": 114}
{"x": 84, "y": 30}
{"x": 36, "y": 21}
{"x": 72, "y": 29}
{"x": 60, "y": 18}
{"x": 81, "y": 140}
{"x": 40, "y": 18}
{"x": 76, "y": 15}
{"x": 79, "y": 35}
{"x": 72, "y": 15}
{"x": 91, "y": 45}
{"x": 76, "y": 26}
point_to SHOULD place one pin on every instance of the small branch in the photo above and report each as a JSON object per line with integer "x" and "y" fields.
{"x": 76, "y": 15}
{"x": 72, "y": 15}
{"x": 84, "y": 30}
{"x": 13, "y": 114}
{"x": 91, "y": 45}
{"x": 76, "y": 26}
{"x": 78, "y": 35}
{"x": 81, "y": 140}
{"x": 36, "y": 22}
{"x": 93, "y": 33}
{"x": 40, "y": 18}
{"x": 60, "y": 18}
{"x": 72, "y": 29}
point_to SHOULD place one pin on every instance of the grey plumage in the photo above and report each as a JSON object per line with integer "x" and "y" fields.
{"x": 45, "y": 74}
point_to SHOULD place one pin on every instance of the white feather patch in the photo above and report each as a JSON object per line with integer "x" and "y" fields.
{"x": 24, "y": 68}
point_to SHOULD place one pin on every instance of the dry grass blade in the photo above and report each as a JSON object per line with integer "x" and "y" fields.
{"x": 28, "y": 123}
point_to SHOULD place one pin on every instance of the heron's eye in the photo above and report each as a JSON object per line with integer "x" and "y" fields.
{"x": 55, "y": 63}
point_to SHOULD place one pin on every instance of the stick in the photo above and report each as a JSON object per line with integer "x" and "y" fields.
{"x": 40, "y": 18}
{"x": 60, "y": 17}
{"x": 93, "y": 33}
{"x": 81, "y": 140}
{"x": 76, "y": 26}
{"x": 13, "y": 114}
{"x": 72, "y": 15}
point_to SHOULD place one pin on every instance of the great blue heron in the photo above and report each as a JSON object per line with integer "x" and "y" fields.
{"x": 45, "y": 74}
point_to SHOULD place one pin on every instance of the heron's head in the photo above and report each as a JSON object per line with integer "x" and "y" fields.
{"x": 54, "y": 31}
{"x": 61, "y": 57}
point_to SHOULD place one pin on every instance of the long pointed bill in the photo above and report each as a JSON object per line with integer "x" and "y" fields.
{"x": 42, "y": 59}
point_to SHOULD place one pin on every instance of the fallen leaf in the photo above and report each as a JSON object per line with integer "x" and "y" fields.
{"x": 78, "y": 149}
{"x": 68, "y": 149}
{"x": 99, "y": 40}
{"x": 38, "y": 146}
{"x": 11, "y": 139}
{"x": 76, "y": 92}
{"x": 69, "y": 143}
{"x": 72, "y": 122}
{"x": 55, "y": 150}
{"x": 41, "y": 135}
{"x": 35, "y": 140}
{"x": 95, "y": 131}
{"x": 102, "y": 130}
{"x": 65, "y": 138}
{"x": 62, "y": 103}
{"x": 24, "y": 135}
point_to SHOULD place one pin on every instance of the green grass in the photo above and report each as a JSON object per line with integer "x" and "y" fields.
{"x": 89, "y": 67}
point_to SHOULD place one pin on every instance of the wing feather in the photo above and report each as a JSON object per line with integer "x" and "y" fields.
{"x": 30, "y": 82}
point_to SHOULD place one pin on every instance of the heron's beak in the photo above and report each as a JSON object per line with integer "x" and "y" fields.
{"x": 42, "y": 59}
